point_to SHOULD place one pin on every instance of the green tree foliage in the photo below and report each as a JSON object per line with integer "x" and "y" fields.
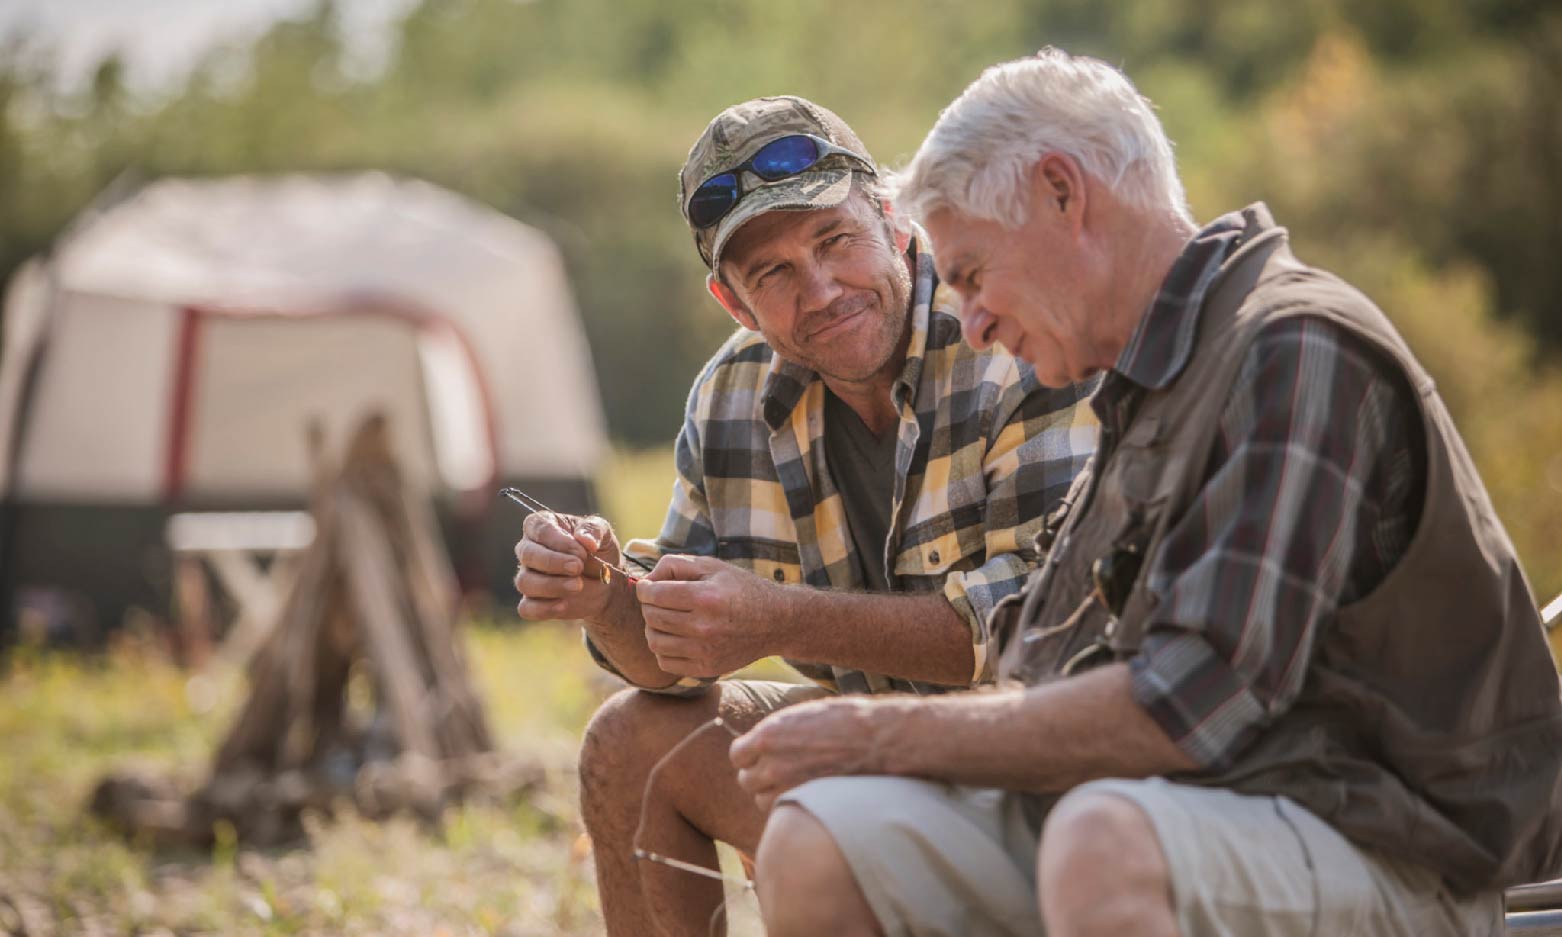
{"x": 1412, "y": 144}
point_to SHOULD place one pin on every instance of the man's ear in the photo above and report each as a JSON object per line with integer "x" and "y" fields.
{"x": 1057, "y": 184}
{"x": 900, "y": 228}
{"x": 730, "y": 302}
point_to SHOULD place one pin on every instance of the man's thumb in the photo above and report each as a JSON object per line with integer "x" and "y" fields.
{"x": 675, "y": 566}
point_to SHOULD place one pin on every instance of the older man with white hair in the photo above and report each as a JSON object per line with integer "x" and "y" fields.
{"x": 1280, "y": 672}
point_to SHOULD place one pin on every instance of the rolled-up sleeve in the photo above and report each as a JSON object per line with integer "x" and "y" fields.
{"x": 1306, "y": 505}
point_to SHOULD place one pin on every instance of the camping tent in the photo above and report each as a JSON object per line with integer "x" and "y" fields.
{"x": 170, "y": 350}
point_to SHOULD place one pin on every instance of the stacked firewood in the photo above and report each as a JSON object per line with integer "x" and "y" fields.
{"x": 360, "y": 694}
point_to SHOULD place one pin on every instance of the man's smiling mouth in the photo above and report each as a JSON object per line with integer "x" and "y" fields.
{"x": 840, "y": 321}
{"x": 835, "y": 325}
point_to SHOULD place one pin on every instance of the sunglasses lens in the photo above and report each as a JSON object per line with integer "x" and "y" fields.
{"x": 787, "y": 156}
{"x": 713, "y": 199}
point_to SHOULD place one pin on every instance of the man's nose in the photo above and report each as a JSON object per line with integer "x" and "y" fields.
{"x": 819, "y": 286}
{"x": 977, "y": 325}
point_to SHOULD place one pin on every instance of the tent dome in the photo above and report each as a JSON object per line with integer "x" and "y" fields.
{"x": 172, "y": 349}
{"x": 503, "y": 364}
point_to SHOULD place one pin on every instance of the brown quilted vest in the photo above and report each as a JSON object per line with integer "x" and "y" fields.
{"x": 1429, "y": 725}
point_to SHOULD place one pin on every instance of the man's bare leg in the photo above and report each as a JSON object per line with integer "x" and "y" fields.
{"x": 696, "y": 800}
{"x": 1100, "y": 870}
{"x": 805, "y": 884}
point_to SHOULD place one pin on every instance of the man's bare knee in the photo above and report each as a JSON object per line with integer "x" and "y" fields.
{"x": 626, "y": 737}
{"x": 804, "y": 883}
{"x": 1101, "y": 869}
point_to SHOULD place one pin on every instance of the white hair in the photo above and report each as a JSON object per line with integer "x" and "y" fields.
{"x": 977, "y": 159}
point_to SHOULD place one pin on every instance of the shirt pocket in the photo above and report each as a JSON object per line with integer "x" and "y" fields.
{"x": 1144, "y": 469}
{"x": 940, "y": 547}
{"x": 775, "y": 560}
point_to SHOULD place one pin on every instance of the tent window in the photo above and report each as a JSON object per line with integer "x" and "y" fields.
{"x": 456, "y": 411}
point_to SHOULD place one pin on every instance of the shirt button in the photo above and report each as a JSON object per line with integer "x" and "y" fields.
{"x": 933, "y": 557}
{"x": 779, "y": 575}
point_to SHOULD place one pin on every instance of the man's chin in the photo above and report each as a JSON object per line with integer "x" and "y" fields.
{"x": 1050, "y": 371}
{"x": 851, "y": 368}
{"x": 850, "y": 371}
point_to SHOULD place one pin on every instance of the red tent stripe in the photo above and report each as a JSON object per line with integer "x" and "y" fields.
{"x": 181, "y": 403}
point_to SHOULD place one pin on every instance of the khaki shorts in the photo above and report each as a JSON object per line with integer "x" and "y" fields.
{"x": 936, "y": 859}
{"x": 752, "y": 700}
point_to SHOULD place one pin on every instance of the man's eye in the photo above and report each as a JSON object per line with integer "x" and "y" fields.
{"x": 834, "y": 240}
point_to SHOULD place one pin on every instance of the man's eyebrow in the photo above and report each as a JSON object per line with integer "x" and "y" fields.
{"x": 828, "y": 226}
{"x": 760, "y": 259}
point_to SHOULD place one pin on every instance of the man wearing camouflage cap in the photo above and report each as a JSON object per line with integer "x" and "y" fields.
{"x": 856, "y": 489}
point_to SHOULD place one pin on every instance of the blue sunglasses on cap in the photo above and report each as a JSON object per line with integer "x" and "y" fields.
{"x": 776, "y": 160}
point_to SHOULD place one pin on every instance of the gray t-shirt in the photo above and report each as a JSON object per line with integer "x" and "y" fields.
{"x": 863, "y": 466}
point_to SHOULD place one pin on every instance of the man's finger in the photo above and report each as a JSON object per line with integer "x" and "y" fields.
{"x": 669, "y": 621}
{"x": 665, "y": 644}
{"x": 534, "y": 556}
{"x": 682, "y": 666}
{"x": 744, "y": 752}
{"x": 549, "y": 530}
{"x": 542, "y": 609}
{"x": 535, "y": 585}
{"x": 762, "y": 783}
{"x": 592, "y": 532}
{"x": 688, "y": 667}
{"x": 671, "y": 594}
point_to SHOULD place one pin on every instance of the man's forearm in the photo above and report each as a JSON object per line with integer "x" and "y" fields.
{"x": 1043, "y": 739}
{"x": 914, "y": 637}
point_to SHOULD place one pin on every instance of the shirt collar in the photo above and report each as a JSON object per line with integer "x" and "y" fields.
{"x": 1162, "y": 342}
{"x": 788, "y": 380}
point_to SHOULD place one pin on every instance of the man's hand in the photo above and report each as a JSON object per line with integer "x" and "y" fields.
{"x": 818, "y": 739}
{"x": 558, "y": 576}
{"x": 705, "y": 617}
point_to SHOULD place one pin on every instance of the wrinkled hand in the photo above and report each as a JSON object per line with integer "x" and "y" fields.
{"x": 705, "y": 617}
{"x": 819, "y": 739}
{"x": 558, "y": 576}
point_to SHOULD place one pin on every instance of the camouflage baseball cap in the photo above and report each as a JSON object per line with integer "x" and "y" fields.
{"x": 737, "y": 133}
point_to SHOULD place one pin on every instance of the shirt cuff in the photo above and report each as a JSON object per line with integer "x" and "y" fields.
{"x": 641, "y": 553}
{"x": 1196, "y": 698}
{"x": 974, "y": 594}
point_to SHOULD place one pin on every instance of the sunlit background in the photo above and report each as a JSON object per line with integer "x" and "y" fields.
{"x": 1411, "y": 146}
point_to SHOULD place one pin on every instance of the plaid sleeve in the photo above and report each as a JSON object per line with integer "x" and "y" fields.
{"x": 687, "y": 529}
{"x": 1040, "y": 441}
{"x": 1308, "y": 503}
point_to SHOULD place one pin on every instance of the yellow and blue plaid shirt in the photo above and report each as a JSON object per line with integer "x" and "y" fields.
{"x": 984, "y": 453}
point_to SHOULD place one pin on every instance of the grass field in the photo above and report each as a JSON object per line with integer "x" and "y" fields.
{"x": 495, "y": 868}
{"x": 510, "y": 869}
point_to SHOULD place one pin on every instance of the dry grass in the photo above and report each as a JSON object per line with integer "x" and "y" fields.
{"x": 493, "y": 868}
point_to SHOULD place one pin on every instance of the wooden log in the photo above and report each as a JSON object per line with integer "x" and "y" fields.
{"x": 373, "y": 585}
{"x": 257, "y": 735}
{"x": 193, "y": 607}
{"x": 464, "y": 727}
